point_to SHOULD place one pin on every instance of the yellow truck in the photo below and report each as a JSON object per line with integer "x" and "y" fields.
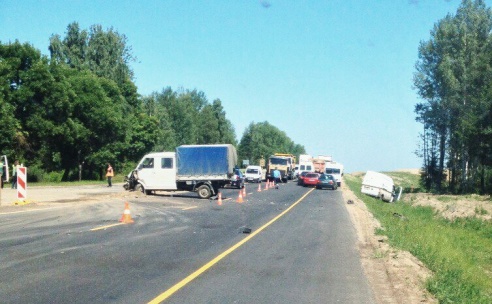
{"x": 285, "y": 163}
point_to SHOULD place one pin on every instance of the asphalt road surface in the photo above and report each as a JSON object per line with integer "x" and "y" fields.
{"x": 291, "y": 245}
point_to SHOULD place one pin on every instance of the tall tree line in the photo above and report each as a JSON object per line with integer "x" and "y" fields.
{"x": 454, "y": 78}
{"x": 260, "y": 140}
{"x": 79, "y": 107}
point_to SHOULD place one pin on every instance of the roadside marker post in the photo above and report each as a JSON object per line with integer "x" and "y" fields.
{"x": 21, "y": 184}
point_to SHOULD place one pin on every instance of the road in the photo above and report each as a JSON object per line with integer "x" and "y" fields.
{"x": 180, "y": 249}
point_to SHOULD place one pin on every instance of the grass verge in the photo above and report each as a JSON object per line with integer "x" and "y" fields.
{"x": 459, "y": 252}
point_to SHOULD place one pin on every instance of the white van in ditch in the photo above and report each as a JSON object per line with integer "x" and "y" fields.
{"x": 381, "y": 186}
{"x": 254, "y": 174}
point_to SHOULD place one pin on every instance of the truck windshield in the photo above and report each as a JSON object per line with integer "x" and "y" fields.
{"x": 278, "y": 161}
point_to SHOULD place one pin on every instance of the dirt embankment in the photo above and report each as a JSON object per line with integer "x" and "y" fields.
{"x": 394, "y": 275}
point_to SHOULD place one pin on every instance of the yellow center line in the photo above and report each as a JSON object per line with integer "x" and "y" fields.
{"x": 188, "y": 208}
{"x": 163, "y": 296}
{"x": 107, "y": 226}
{"x": 14, "y": 212}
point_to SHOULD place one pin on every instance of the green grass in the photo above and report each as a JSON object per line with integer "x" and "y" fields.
{"x": 116, "y": 179}
{"x": 459, "y": 252}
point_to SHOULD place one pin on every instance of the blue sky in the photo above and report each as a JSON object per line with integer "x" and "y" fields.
{"x": 334, "y": 75}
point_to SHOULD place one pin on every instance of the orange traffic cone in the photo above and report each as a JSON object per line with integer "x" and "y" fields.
{"x": 240, "y": 197}
{"x": 219, "y": 201}
{"x": 244, "y": 192}
{"x": 126, "y": 218}
{"x": 259, "y": 187}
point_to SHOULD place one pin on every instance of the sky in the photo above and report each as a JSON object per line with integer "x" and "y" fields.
{"x": 335, "y": 75}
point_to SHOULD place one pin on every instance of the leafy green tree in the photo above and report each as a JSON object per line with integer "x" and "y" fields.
{"x": 22, "y": 94}
{"x": 165, "y": 139}
{"x": 105, "y": 53}
{"x": 208, "y": 130}
{"x": 453, "y": 72}
{"x": 260, "y": 140}
{"x": 227, "y": 134}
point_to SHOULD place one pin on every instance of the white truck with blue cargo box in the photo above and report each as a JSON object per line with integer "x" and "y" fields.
{"x": 203, "y": 169}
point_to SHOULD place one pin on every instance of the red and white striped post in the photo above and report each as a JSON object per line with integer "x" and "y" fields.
{"x": 21, "y": 183}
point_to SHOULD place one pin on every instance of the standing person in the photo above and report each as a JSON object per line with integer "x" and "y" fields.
{"x": 109, "y": 174}
{"x": 14, "y": 174}
{"x": 276, "y": 177}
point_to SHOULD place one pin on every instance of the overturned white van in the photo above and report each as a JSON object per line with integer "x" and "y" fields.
{"x": 381, "y": 186}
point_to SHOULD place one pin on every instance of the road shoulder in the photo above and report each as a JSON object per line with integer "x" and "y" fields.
{"x": 395, "y": 276}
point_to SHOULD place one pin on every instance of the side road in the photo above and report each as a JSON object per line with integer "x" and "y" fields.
{"x": 45, "y": 195}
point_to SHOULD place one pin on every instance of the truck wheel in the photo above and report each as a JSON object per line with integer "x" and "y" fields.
{"x": 204, "y": 191}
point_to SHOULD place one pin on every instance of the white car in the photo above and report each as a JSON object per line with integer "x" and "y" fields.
{"x": 253, "y": 174}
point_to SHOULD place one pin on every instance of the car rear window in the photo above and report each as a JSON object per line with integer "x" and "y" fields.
{"x": 254, "y": 171}
{"x": 311, "y": 175}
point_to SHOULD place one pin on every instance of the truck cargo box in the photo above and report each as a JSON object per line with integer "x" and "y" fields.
{"x": 200, "y": 161}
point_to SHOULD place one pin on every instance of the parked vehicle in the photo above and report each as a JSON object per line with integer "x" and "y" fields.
{"x": 335, "y": 169}
{"x": 305, "y": 166}
{"x": 300, "y": 178}
{"x": 254, "y": 174}
{"x": 5, "y": 166}
{"x": 380, "y": 185}
{"x": 198, "y": 168}
{"x": 237, "y": 180}
{"x": 311, "y": 179}
{"x": 285, "y": 164}
{"x": 327, "y": 181}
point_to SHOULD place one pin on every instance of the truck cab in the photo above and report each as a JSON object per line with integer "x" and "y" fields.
{"x": 336, "y": 170}
{"x": 157, "y": 171}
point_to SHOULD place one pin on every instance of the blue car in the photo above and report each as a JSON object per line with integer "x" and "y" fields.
{"x": 327, "y": 181}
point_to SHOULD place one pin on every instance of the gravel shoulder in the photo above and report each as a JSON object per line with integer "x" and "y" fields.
{"x": 395, "y": 276}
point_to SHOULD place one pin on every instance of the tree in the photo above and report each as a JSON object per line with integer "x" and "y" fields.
{"x": 260, "y": 140}
{"x": 105, "y": 53}
{"x": 208, "y": 130}
{"x": 22, "y": 93}
{"x": 453, "y": 72}
{"x": 226, "y": 130}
